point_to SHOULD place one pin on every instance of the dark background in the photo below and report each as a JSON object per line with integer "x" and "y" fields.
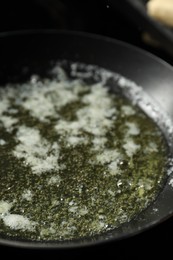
{"x": 98, "y": 17}
{"x": 94, "y": 16}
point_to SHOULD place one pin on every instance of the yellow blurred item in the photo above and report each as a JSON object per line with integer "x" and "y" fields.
{"x": 161, "y": 10}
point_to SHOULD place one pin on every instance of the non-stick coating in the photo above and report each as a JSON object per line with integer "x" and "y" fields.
{"x": 33, "y": 51}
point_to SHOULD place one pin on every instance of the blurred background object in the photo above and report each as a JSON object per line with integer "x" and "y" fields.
{"x": 161, "y": 11}
{"x": 154, "y": 33}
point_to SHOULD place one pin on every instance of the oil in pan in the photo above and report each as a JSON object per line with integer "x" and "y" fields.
{"x": 80, "y": 154}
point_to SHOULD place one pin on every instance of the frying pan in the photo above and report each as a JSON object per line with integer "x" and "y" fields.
{"x": 32, "y": 52}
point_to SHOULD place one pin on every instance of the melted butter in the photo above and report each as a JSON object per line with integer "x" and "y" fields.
{"x": 75, "y": 160}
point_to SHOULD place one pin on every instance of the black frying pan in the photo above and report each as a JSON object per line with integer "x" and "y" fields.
{"x": 25, "y": 53}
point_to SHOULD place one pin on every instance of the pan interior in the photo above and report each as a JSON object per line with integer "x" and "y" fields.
{"x": 131, "y": 98}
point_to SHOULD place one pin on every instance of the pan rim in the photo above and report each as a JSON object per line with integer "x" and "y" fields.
{"x": 86, "y": 35}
